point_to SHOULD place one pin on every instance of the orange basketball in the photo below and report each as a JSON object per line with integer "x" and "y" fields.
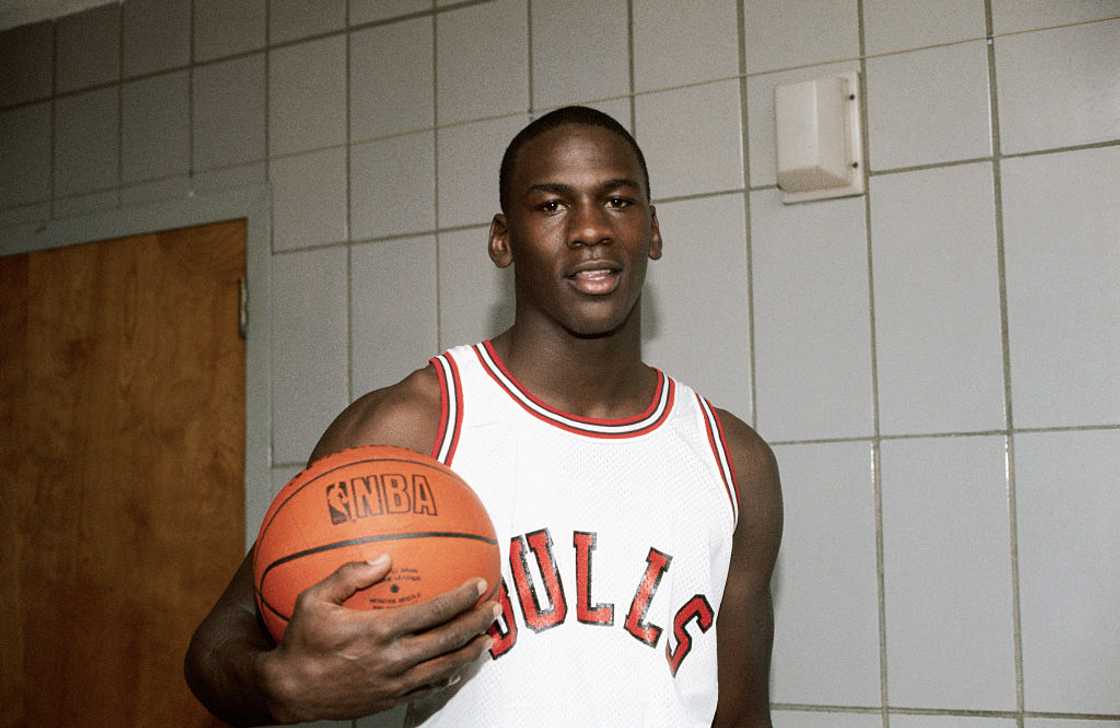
{"x": 359, "y": 503}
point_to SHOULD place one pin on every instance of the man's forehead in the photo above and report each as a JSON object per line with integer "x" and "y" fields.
{"x": 576, "y": 150}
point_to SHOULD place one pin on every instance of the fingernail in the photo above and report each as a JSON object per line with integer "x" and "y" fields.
{"x": 487, "y": 645}
{"x": 481, "y": 586}
{"x": 379, "y": 561}
{"x": 497, "y": 610}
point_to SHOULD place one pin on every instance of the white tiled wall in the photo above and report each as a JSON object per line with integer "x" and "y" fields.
{"x": 947, "y": 573}
{"x": 812, "y": 321}
{"x": 929, "y": 106}
{"x": 580, "y": 51}
{"x": 937, "y": 320}
{"x": 936, "y": 361}
{"x": 826, "y": 641}
{"x": 680, "y": 43}
{"x": 1067, "y": 514}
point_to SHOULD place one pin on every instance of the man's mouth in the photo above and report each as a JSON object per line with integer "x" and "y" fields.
{"x": 596, "y": 281}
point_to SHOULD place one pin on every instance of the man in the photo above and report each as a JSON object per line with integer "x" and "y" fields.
{"x": 641, "y": 524}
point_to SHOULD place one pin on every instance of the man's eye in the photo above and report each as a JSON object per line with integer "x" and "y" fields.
{"x": 550, "y": 206}
{"x": 619, "y": 202}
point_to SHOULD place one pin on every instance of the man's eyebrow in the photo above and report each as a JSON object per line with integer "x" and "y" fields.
{"x": 554, "y": 187}
{"x": 621, "y": 182}
{"x": 563, "y": 189}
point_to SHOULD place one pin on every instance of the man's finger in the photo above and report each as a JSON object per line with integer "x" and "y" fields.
{"x": 439, "y": 610}
{"x": 439, "y": 672}
{"x": 453, "y": 635}
{"x": 347, "y": 579}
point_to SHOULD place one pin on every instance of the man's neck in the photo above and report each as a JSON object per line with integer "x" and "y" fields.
{"x": 601, "y": 376}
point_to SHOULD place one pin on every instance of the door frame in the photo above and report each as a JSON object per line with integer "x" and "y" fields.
{"x": 254, "y": 204}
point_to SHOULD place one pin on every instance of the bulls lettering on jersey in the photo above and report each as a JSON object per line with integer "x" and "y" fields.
{"x": 539, "y": 619}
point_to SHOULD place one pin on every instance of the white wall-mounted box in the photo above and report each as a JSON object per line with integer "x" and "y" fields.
{"x": 819, "y": 144}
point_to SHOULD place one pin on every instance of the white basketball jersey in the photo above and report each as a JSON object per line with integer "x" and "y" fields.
{"x": 615, "y": 538}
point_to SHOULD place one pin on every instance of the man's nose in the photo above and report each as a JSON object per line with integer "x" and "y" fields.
{"x": 589, "y": 226}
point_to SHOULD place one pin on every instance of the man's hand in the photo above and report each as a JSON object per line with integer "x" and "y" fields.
{"x": 340, "y": 663}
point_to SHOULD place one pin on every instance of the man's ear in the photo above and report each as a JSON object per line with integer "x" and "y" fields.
{"x": 655, "y": 241}
{"x": 498, "y": 247}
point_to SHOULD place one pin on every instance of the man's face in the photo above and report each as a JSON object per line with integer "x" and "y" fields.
{"x": 579, "y": 229}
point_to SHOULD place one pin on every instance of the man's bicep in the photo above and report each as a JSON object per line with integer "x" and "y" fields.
{"x": 404, "y": 415}
{"x": 745, "y": 625}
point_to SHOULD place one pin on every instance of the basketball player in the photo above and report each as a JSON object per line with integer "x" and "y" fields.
{"x": 639, "y": 525}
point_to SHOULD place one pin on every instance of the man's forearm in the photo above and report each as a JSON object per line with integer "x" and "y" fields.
{"x": 222, "y": 669}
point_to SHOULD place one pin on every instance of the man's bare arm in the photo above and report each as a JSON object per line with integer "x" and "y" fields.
{"x": 745, "y": 626}
{"x": 339, "y": 663}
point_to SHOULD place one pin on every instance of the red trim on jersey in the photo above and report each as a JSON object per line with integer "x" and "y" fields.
{"x": 734, "y": 498}
{"x": 443, "y": 407}
{"x": 663, "y": 396}
{"x": 726, "y": 452}
{"x": 448, "y": 388}
{"x": 458, "y": 408}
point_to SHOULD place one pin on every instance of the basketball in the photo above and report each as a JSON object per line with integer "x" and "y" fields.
{"x": 362, "y": 502}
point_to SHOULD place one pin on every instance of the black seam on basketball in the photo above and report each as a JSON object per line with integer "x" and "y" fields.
{"x": 297, "y": 491}
{"x": 372, "y": 539}
{"x": 273, "y": 609}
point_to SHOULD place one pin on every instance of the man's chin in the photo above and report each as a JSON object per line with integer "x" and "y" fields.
{"x": 603, "y": 328}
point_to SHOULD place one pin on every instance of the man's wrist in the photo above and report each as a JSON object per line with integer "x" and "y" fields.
{"x": 274, "y": 685}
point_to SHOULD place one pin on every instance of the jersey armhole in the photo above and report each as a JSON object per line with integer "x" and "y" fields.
{"x": 724, "y": 463}
{"x": 450, "y": 407}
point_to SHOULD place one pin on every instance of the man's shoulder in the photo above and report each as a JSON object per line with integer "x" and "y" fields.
{"x": 742, "y": 439}
{"x": 405, "y": 414}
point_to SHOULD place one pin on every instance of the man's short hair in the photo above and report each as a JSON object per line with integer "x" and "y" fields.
{"x": 567, "y": 115}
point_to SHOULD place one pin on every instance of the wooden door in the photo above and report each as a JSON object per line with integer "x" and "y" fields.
{"x": 122, "y": 396}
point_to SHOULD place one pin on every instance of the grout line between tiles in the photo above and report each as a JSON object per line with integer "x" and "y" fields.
{"x": 435, "y": 176}
{"x": 120, "y": 105}
{"x": 630, "y": 64}
{"x": 53, "y": 126}
{"x": 698, "y": 196}
{"x": 349, "y": 219}
{"x": 1067, "y": 428}
{"x": 268, "y": 177}
{"x": 529, "y": 53}
{"x": 813, "y": 708}
{"x": 1060, "y": 150}
{"x": 947, "y": 435}
{"x": 1076, "y": 716}
{"x": 190, "y": 93}
{"x": 1005, "y": 346}
{"x": 744, "y": 139}
{"x": 876, "y": 444}
{"x": 1059, "y": 26}
{"x": 925, "y": 167}
{"x": 964, "y": 712}
{"x": 268, "y": 132}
